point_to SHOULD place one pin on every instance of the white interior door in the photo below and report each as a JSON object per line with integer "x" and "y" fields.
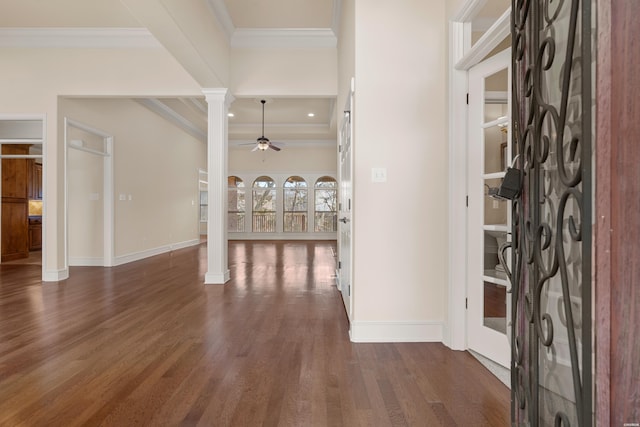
{"x": 488, "y": 219}
{"x": 345, "y": 207}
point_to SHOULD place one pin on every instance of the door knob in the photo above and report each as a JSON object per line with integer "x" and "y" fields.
{"x": 344, "y": 220}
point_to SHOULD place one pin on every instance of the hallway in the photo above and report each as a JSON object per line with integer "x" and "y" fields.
{"x": 147, "y": 343}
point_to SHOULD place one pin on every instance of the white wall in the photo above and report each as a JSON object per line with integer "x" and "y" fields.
{"x": 156, "y": 166}
{"x": 284, "y": 72}
{"x": 32, "y": 80}
{"x": 290, "y": 158}
{"x": 400, "y": 226}
{"x": 85, "y": 199}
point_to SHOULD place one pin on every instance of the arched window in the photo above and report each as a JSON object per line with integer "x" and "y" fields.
{"x": 264, "y": 205}
{"x": 326, "y": 199}
{"x": 235, "y": 198}
{"x": 295, "y": 205}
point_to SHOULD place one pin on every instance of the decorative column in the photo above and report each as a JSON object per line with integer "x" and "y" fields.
{"x": 217, "y": 158}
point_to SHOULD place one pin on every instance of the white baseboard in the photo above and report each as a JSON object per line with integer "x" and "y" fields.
{"x": 55, "y": 275}
{"x": 396, "y": 331}
{"x": 217, "y": 278}
{"x": 137, "y": 256}
{"x": 86, "y": 262}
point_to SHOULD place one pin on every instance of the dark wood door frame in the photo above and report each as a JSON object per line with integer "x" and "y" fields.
{"x": 617, "y": 216}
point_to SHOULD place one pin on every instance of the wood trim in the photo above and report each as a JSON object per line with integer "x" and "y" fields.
{"x": 617, "y": 219}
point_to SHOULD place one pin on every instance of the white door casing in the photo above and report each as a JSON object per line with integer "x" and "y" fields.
{"x": 345, "y": 225}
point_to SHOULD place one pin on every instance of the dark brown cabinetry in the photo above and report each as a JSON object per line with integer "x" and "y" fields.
{"x": 35, "y": 180}
{"x": 35, "y": 233}
{"x": 15, "y": 212}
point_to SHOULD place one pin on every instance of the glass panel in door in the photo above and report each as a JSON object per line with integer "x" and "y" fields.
{"x": 488, "y": 216}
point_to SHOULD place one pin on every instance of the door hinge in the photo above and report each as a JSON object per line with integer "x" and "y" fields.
{"x": 349, "y": 290}
{"x": 467, "y": 98}
{"x": 340, "y": 148}
{"x": 339, "y": 265}
{"x": 467, "y": 202}
{"x": 466, "y": 303}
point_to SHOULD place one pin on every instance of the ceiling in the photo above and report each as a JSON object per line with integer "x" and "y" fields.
{"x": 286, "y": 118}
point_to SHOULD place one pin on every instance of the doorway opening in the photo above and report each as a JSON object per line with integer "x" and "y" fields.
{"x": 89, "y": 211}
{"x": 23, "y": 209}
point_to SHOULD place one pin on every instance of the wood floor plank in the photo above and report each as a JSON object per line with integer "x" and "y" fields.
{"x": 148, "y": 344}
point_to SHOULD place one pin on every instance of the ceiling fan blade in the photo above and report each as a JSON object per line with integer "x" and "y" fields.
{"x": 256, "y": 148}
{"x": 274, "y": 147}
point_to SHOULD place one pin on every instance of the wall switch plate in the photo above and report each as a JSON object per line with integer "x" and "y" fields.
{"x": 378, "y": 174}
{"x": 122, "y": 197}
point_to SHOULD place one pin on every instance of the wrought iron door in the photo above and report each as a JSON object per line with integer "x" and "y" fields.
{"x": 551, "y": 135}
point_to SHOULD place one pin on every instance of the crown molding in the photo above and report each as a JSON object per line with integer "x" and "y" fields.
{"x": 490, "y": 39}
{"x": 221, "y": 13}
{"x": 469, "y": 10}
{"x": 283, "y": 38}
{"x": 335, "y": 19}
{"x": 78, "y": 38}
{"x": 172, "y": 116}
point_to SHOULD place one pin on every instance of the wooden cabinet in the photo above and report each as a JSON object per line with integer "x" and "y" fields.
{"x": 15, "y": 227}
{"x": 35, "y": 233}
{"x": 35, "y": 180}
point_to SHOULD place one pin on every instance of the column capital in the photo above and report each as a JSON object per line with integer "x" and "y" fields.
{"x": 217, "y": 95}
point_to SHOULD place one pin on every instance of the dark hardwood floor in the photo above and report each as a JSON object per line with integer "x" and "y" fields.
{"x": 148, "y": 344}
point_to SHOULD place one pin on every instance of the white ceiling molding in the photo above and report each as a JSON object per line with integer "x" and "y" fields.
{"x": 78, "y": 38}
{"x": 469, "y": 10}
{"x": 335, "y": 20}
{"x": 489, "y": 40}
{"x": 221, "y": 13}
{"x": 172, "y": 116}
{"x": 283, "y": 38}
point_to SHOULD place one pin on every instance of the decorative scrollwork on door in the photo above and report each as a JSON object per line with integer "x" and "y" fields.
{"x": 551, "y": 263}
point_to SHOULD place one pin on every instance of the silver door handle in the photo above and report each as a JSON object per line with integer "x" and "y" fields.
{"x": 344, "y": 220}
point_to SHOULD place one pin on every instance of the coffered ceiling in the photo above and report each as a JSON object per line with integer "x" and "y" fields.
{"x": 244, "y": 21}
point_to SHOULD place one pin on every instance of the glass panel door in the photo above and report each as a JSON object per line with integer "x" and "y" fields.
{"x": 488, "y": 215}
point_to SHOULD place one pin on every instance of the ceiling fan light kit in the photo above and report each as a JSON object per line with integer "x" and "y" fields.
{"x": 263, "y": 142}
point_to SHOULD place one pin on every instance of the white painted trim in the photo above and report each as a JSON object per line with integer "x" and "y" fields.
{"x": 335, "y": 18}
{"x": 172, "y": 116}
{"x": 55, "y": 275}
{"x": 137, "y": 256}
{"x": 217, "y": 279}
{"x": 489, "y": 40}
{"x": 469, "y": 10}
{"x": 78, "y": 38}
{"x": 221, "y": 13}
{"x": 284, "y": 38}
{"x": 455, "y": 335}
{"x": 374, "y": 331}
{"x": 107, "y": 189}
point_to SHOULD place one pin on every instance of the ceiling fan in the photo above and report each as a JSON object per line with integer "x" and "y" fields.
{"x": 263, "y": 142}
